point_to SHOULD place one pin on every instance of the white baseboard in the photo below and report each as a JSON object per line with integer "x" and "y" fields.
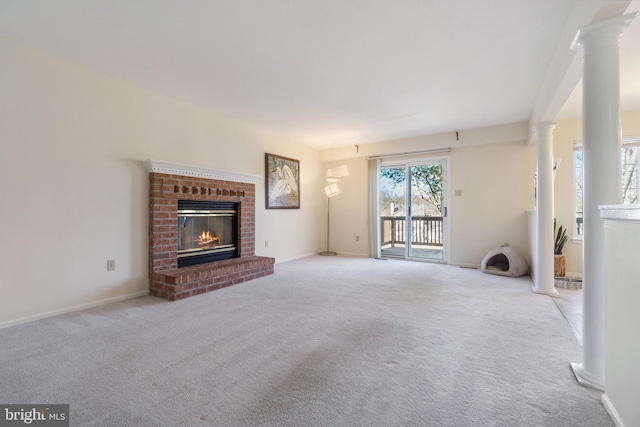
{"x": 463, "y": 265}
{"x": 316, "y": 253}
{"x": 611, "y": 410}
{"x": 52, "y": 313}
{"x": 354, "y": 254}
{"x": 295, "y": 257}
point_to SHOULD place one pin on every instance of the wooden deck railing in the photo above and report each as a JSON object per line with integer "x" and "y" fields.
{"x": 425, "y": 230}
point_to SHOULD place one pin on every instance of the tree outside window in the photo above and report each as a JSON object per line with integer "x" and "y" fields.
{"x": 426, "y": 189}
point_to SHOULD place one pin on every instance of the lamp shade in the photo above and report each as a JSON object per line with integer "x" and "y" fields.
{"x": 332, "y": 190}
{"x": 337, "y": 173}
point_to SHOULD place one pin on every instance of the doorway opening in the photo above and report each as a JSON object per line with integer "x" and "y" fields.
{"x": 413, "y": 210}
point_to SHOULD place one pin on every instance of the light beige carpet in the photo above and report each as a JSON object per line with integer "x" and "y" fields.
{"x": 325, "y": 341}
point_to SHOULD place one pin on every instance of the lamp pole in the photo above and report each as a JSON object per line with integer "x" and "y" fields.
{"x": 328, "y": 252}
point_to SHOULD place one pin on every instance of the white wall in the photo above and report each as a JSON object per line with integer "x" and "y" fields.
{"x": 496, "y": 180}
{"x": 622, "y": 296}
{"x": 74, "y": 190}
{"x": 565, "y": 134}
{"x": 349, "y": 209}
{"x": 497, "y": 184}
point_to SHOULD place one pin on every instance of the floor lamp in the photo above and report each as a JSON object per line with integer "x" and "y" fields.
{"x": 331, "y": 190}
{"x": 333, "y": 176}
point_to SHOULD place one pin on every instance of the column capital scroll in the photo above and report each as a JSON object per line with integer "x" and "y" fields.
{"x": 605, "y": 32}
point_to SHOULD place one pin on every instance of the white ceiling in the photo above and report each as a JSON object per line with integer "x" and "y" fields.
{"x": 325, "y": 73}
{"x": 629, "y": 72}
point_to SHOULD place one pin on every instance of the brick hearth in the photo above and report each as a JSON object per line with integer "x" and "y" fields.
{"x": 169, "y": 183}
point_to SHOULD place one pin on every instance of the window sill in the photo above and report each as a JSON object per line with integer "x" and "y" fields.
{"x": 576, "y": 240}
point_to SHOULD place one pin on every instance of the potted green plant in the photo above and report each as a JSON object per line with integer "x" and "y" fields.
{"x": 560, "y": 234}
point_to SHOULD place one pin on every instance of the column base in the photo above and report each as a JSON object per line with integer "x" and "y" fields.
{"x": 584, "y": 378}
{"x": 551, "y": 292}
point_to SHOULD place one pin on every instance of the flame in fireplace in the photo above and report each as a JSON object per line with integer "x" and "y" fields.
{"x": 207, "y": 240}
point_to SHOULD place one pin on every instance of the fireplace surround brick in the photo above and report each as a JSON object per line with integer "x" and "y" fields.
{"x": 168, "y": 281}
{"x": 188, "y": 281}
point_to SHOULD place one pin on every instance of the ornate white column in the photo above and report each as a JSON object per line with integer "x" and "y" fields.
{"x": 601, "y": 142}
{"x": 544, "y": 275}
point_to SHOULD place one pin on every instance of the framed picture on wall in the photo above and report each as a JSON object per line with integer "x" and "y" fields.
{"x": 282, "y": 182}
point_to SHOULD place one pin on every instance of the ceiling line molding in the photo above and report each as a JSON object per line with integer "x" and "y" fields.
{"x": 170, "y": 168}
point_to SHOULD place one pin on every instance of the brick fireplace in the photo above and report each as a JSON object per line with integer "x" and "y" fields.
{"x": 170, "y": 182}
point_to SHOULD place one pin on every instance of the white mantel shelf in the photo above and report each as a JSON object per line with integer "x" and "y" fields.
{"x": 620, "y": 212}
{"x": 160, "y": 166}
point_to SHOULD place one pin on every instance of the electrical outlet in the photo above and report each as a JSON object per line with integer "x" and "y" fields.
{"x": 357, "y": 238}
{"x": 266, "y": 243}
{"x": 111, "y": 264}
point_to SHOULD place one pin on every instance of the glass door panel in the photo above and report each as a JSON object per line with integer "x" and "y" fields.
{"x": 413, "y": 210}
{"x": 426, "y": 219}
{"x": 393, "y": 204}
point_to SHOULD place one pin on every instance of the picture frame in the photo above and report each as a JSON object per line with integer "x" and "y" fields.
{"x": 282, "y": 182}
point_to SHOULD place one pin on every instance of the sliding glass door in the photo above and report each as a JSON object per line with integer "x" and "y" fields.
{"x": 413, "y": 210}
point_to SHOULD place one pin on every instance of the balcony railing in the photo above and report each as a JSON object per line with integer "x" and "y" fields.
{"x": 425, "y": 230}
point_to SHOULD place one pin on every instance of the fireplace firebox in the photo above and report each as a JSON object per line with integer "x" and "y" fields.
{"x": 207, "y": 231}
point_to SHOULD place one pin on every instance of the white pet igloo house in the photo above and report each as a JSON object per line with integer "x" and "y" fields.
{"x": 504, "y": 261}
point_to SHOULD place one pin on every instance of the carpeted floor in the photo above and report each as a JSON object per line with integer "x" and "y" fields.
{"x": 326, "y": 341}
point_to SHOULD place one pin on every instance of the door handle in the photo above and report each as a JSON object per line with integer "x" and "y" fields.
{"x": 445, "y": 212}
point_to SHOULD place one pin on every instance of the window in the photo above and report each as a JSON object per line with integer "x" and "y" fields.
{"x": 630, "y": 179}
{"x": 630, "y": 182}
{"x": 577, "y": 162}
